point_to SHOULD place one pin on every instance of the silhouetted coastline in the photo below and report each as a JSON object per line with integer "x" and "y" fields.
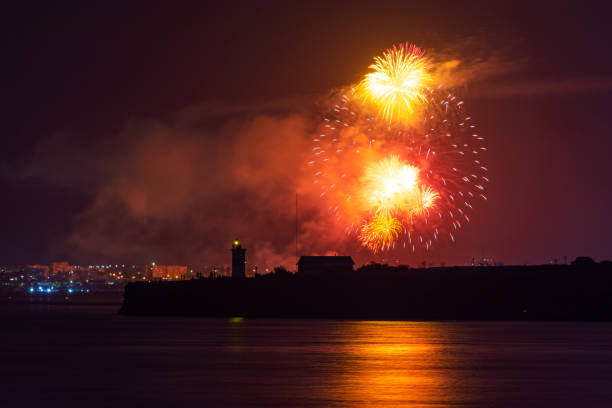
{"x": 578, "y": 292}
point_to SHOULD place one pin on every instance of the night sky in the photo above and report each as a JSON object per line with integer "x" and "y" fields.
{"x": 144, "y": 131}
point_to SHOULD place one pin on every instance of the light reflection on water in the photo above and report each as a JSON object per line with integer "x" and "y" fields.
{"x": 389, "y": 363}
{"x": 100, "y": 359}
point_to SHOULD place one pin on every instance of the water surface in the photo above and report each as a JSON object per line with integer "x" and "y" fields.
{"x": 87, "y": 356}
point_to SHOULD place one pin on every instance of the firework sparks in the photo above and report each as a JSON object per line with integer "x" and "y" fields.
{"x": 427, "y": 199}
{"x": 398, "y": 82}
{"x": 380, "y": 232}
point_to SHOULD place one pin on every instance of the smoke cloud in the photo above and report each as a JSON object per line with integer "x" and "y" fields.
{"x": 175, "y": 193}
{"x": 545, "y": 87}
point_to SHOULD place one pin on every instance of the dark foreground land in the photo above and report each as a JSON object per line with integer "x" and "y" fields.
{"x": 380, "y": 292}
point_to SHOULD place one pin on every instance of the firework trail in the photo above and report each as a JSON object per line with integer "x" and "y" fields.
{"x": 402, "y": 166}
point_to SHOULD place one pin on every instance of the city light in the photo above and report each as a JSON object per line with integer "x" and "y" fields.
{"x": 61, "y": 277}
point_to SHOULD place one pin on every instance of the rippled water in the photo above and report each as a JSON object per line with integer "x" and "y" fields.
{"x": 86, "y": 356}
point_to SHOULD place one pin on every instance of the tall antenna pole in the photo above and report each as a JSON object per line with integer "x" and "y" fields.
{"x": 296, "y": 227}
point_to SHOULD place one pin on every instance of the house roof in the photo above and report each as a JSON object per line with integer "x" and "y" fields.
{"x": 326, "y": 260}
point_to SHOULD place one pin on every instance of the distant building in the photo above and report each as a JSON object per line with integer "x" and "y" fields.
{"x": 167, "y": 272}
{"x": 41, "y": 270}
{"x": 238, "y": 260}
{"x": 56, "y": 268}
{"x": 315, "y": 265}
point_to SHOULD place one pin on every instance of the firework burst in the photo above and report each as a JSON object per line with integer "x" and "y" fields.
{"x": 393, "y": 186}
{"x": 400, "y": 184}
{"x": 397, "y": 84}
{"x": 380, "y": 232}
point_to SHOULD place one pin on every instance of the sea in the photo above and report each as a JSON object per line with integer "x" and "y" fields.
{"x": 86, "y": 355}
